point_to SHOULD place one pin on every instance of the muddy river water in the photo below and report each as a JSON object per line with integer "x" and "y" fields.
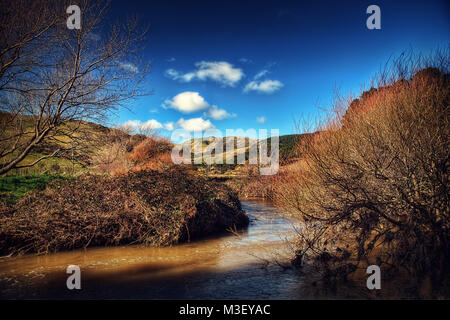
{"x": 244, "y": 266}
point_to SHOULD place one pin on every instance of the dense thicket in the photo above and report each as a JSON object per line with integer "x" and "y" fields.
{"x": 372, "y": 188}
{"x": 145, "y": 207}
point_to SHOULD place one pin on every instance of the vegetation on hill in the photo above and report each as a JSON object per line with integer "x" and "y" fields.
{"x": 289, "y": 151}
{"x": 81, "y": 149}
{"x": 12, "y": 188}
{"x": 97, "y": 149}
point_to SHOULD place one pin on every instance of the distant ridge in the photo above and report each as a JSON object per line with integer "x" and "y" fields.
{"x": 287, "y": 145}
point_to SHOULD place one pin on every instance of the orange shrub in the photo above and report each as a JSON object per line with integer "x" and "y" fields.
{"x": 373, "y": 187}
{"x": 152, "y": 153}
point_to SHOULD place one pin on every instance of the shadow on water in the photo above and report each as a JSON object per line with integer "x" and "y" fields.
{"x": 250, "y": 282}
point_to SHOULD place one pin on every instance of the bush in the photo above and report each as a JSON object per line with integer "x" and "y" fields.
{"x": 373, "y": 187}
{"x": 257, "y": 186}
{"x": 152, "y": 153}
{"x": 145, "y": 207}
{"x": 111, "y": 148}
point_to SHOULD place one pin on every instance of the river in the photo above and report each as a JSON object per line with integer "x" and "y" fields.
{"x": 254, "y": 264}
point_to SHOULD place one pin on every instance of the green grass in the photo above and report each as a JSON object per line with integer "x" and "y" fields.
{"x": 62, "y": 165}
{"x": 12, "y": 188}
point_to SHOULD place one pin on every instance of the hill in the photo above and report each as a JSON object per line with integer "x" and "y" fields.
{"x": 77, "y": 153}
{"x": 95, "y": 143}
{"x": 287, "y": 147}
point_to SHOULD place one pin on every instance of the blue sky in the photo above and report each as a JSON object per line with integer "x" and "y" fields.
{"x": 261, "y": 64}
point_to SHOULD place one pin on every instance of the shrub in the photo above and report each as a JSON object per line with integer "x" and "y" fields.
{"x": 111, "y": 148}
{"x": 120, "y": 152}
{"x": 145, "y": 207}
{"x": 373, "y": 187}
{"x": 254, "y": 186}
{"x": 112, "y": 158}
{"x": 152, "y": 153}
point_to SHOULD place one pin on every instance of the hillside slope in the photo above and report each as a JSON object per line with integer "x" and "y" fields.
{"x": 76, "y": 153}
{"x": 287, "y": 147}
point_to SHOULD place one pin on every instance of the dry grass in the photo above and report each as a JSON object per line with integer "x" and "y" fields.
{"x": 153, "y": 153}
{"x": 123, "y": 153}
{"x": 255, "y": 185}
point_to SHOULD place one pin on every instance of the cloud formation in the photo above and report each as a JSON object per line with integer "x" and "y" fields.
{"x": 261, "y": 74}
{"x": 138, "y": 126}
{"x": 218, "y": 114}
{"x": 187, "y": 102}
{"x": 261, "y": 119}
{"x": 190, "y": 101}
{"x": 130, "y": 67}
{"x": 169, "y": 126}
{"x": 219, "y": 71}
{"x": 266, "y": 86}
{"x": 195, "y": 124}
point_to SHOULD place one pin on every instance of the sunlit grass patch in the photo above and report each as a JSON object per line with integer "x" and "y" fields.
{"x": 12, "y": 188}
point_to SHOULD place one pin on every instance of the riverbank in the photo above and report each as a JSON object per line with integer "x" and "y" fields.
{"x": 223, "y": 266}
{"x": 155, "y": 208}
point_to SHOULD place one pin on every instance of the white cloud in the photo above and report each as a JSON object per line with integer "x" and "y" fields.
{"x": 173, "y": 74}
{"x": 130, "y": 67}
{"x": 137, "y": 126}
{"x": 171, "y": 59}
{"x": 261, "y": 74}
{"x": 132, "y": 124}
{"x": 187, "y": 102}
{"x": 261, "y": 119}
{"x": 218, "y": 114}
{"x": 219, "y": 71}
{"x": 169, "y": 126}
{"x": 245, "y": 60}
{"x": 223, "y": 72}
{"x": 195, "y": 124}
{"x": 152, "y": 124}
{"x": 266, "y": 86}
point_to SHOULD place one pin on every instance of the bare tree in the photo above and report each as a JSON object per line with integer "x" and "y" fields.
{"x": 58, "y": 78}
{"x": 24, "y": 36}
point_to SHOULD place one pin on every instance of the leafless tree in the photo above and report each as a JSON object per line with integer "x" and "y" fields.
{"x": 53, "y": 79}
